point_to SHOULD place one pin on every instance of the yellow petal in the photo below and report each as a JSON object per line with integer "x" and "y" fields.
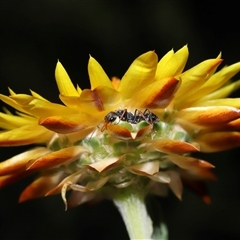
{"x": 207, "y": 116}
{"x": 216, "y": 81}
{"x": 97, "y": 75}
{"x": 22, "y": 99}
{"x": 71, "y": 101}
{"x": 163, "y": 61}
{"x": 64, "y": 83}
{"x": 11, "y": 92}
{"x": 222, "y": 92}
{"x": 104, "y": 164}
{"x": 173, "y": 146}
{"x": 41, "y": 186}
{"x": 57, "y": 158}
{"x": 18, "y": 163}
{"x": 29, "y": 134}
{"x": 69, "y": 124}
{"x": 140, "y": 74}
{"x": 231, "y": 102}
{"x": 42, "y": 108}
{"x": 172, "y": 64}
{"x": 115, "y": 82}
{"x": 8, "y": 121}
{"x": 9, "y": 101}
{"x": 195, "y": 77}
{"x": 156, "y": 95}
{"x": 36, "y": 95}
{"x": 145, "y": 169}
{"x": 100, "y": 98}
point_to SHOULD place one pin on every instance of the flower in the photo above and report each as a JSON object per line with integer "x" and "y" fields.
{"x": 123, "y": 137}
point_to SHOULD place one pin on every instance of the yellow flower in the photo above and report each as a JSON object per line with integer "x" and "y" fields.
{"x": 133, "y": 133}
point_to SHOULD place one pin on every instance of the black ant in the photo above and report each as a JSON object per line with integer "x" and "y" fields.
{"x": 129, "y": 117}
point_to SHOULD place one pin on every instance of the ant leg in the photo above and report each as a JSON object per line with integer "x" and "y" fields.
{"x": 136, "y": 113}
{"x": 124, "y": 114}
{"x": 147, "y": 115}
{"x": 104, "y": 127}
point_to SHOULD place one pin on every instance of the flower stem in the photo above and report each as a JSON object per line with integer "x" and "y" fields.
{"x": 130, "y": 203}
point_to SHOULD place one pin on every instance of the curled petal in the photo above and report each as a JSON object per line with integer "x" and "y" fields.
{"x": 9, "y": 179}
{"x": 97, "y": 75}
{"x": 64, "y": 83}
{"x": 234, "y": 124}
{"x": 176, "y": 184}
{"x": 69, "y": 124}
{"x": 76, "y": 198}
{"x": 104, "y": 164}
{"x": 119, "y": 132}
{"x": 71, "y": 179}
{"x": 207, "y": 116}
{"x": 156, "y": 95}
{"x": 161, "y": 176}
{"x": 198, "y": 174}
{"x": 18, "y": 162}
{"x": 29, "y": 134}
{"x": 41, "y": 186}
{"x": 142, "y": 132}
{"x": 77, "y": 136}
{"x": 140, "y": 74}
{"x": 57, "y": 158}
{"x": 94, "y": 185}
{"x": 218, "y": 141}
{"x": 189, "y": 162}
{"x": 199, "y": 188}
{"x": 172, "y": 64}
{"x": 145, "y": 169}
{"x": 173, "y": 146}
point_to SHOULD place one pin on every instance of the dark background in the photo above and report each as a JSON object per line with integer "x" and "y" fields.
{"x": 34, "y": 34}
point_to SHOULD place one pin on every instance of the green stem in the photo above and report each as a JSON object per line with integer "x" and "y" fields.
{"x": 130, "y": 202}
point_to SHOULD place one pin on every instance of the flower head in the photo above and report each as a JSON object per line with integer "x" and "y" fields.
{"x": 135, "y": 132}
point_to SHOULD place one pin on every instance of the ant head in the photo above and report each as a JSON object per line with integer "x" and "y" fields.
{"x": 110, "y": 117}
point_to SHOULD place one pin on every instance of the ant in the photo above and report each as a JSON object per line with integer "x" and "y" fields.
{"x": 129, "y": 117}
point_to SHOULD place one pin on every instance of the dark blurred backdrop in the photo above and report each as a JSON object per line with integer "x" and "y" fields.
{"x": 34, "y": 34}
